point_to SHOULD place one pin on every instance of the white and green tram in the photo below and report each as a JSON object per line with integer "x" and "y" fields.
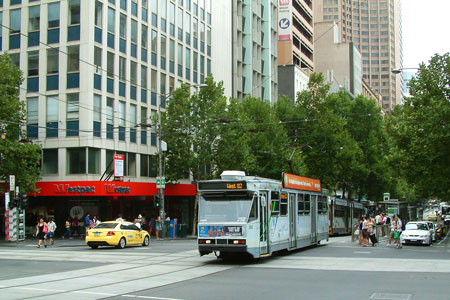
{"x": 259, "y": 216}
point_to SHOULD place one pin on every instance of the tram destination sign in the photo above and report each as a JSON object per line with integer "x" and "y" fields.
{"x": 222, "y": 185}
{"x": 301, "y": 183}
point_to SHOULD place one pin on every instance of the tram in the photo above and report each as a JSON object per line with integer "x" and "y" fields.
{"x": 259, "y": 216}
{"x": 343, "y": 215}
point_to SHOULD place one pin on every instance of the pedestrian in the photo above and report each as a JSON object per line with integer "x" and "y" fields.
{"x": 67, "y": 232}
{"x": 119, "y": 218}
{"x": 392, "y": 231}
{"x": 138, "y": 221}
{"x": 41, "y": 231}
{"x": 51, "y": 230}
{"x": 158, "y": 226}
{"x": 360, "y": 231}
{"x": 96, "y": 221}
{"x": 371, "y": 231}
{"x": 75, "y": 226}
{"x": 87, "y": 222}
{"x": 398, "y": 231}
{"x": 365, "y": 228}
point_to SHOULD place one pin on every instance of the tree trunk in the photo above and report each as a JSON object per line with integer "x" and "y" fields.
{"x": 194, "y": 220}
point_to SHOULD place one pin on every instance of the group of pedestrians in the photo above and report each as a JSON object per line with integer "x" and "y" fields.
{"x": 370, "y": 227}
{"x": 46, "y": 230}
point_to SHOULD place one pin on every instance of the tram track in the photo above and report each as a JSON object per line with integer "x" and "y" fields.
{"x": 55, "y": 293}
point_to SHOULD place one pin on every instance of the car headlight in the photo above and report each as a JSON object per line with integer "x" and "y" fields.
{"x": 423, "y": 236}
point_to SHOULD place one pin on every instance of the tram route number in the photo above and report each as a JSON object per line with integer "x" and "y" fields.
{"x": 235, "y": 186}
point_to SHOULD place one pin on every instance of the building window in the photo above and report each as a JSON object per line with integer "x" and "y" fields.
{"x": 180, "y": 24}
{"x": 111, "y": 19}
{"x": 73, "y": 59}
{"x": 144, "y": 36}
{"x": 49, "y": 161}
{"x": 98, "y": 14}
{"x": 110, "y": 118}
{"x": 123, "y": 26}
{"x": 144, "y": 165}
{"x": 76, "y": 160}
{"x": 110, "y": 65}
{"x": 97, "y": 115}
{"x": 93, "y": 161}
{"x": 134, "y": 31}
{"x": 52, "y": 60}
{"x": 32, "y": 117}
{"x": 34, "y": 18}
{"x": 74, "y": 12}
{"x": 131, "y": 164}
{"x": 122, "y": 68}
{"x": 52, "y": 117}
{"x": 53, "y": 15}
{"x": 33, "y": 63}
{"x": 144, "y": 77}
{"x": 14, "y": 21}
{"x": 172, "y": 18}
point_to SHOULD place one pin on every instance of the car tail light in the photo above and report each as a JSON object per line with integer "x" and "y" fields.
{"x": 110, "y": 233}
{"x": 205, "y": 242}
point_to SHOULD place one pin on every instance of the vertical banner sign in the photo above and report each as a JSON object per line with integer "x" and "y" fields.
{"x": 6, "y": 216}
{"x": 284, "y": 20}
{"x": 118, "y": 165}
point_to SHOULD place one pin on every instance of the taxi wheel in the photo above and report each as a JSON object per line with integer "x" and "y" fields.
{"x": 146, "y": 241}
{"x": 93, "y": 246}
{"x": 122, "y": 243}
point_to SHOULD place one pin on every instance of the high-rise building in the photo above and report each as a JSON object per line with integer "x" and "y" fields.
{"x": 295, "y": 45}
{"x": 254, "y": 40}
{"x": 374, "y": 27}
{"x": 96, "y": 72}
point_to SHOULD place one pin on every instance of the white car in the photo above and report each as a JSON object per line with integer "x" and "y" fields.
{"x": 416, "y": 233}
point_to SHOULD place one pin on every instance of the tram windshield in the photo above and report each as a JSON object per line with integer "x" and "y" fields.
{"x": 226, "y": 206}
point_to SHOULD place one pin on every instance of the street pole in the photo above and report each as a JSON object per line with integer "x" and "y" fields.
{"x": 160, "y": 170}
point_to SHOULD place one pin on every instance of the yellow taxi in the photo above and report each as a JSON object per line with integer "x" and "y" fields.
{"x": 116, "y": 233}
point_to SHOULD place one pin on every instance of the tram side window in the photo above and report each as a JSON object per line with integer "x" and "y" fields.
{"x": 307, "y": 203}
{"x": 275, "y": 204}
{"x": 301, "y": 204}
{"x": 339, "y": 211}
{"x": 284, "y": 204}
{"x": 322, "y": 205}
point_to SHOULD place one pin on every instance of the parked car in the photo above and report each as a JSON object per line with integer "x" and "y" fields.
{"x": 417, "y": 233}
{"x": 115, "y": 233}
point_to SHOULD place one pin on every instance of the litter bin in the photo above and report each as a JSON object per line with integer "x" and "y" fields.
{"x": 173, "y": 228}
{"x": 182, "y": 230}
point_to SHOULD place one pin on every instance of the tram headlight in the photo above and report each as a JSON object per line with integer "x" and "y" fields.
{"x": 238, "y": 242}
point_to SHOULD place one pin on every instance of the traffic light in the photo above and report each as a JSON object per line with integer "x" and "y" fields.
{"x": 157, "y": 200}
{"x": 23, "y": 200}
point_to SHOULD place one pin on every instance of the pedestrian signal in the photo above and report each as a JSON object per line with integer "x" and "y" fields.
{"x": 157, "y": 200}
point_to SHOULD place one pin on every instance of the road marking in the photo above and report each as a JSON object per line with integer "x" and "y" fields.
{"x": 389, "y": 296}
{"x": 362, "y": 252}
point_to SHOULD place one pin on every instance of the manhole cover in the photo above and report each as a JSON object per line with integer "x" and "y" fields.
{"x": 388, "y": 296}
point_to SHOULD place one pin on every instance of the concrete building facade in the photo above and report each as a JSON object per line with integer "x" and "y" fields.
{"x": 374, "y": 27}
{"x": 95, "y": 74}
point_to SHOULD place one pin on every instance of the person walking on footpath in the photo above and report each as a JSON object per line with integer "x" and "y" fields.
{"x": 392, "y": 232}
{"x": 365, "y": 228}
{"x": 67, "y": 232}
{"x": 361, "y": 220}
{"x": 41, "y": 232}
{"x": 51, "y": 230}
{"x": 158, "y": 226}
{"x": 398, "y": 231}
{"x": 87, "y": 222}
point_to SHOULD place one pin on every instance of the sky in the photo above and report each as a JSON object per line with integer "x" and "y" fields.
{"x": 425, "y": 26}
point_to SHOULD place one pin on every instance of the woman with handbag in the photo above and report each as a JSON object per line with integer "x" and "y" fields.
{"x": 41, "y": 232}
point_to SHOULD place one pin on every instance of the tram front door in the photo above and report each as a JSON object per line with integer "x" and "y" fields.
{"x": 313, "y": 219}
{"x": 264, "y": 223}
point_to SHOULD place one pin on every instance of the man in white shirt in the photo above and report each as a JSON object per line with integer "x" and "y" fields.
{"x": 51, "y": 230}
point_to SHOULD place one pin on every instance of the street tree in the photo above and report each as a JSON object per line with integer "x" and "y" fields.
{"x": 420, "y": 130}
{"x": 18, "y": 156}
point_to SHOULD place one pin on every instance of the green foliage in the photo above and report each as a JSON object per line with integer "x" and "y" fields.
{"x": 420, "y": 130}
{"x": 17, "y": 157}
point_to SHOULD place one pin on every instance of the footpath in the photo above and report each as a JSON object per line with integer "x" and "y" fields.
{"x": 73, "y": 242}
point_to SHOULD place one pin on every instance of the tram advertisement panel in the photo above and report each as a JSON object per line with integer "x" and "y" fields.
{"x": 301, "y": 183}
{"x": 217, "y": 231}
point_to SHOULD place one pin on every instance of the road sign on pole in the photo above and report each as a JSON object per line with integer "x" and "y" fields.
{"x": 12, "y": 183}
{"x": 160, "y": 182}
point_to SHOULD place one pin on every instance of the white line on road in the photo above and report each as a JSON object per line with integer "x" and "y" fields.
{"x": 362, "y": 252}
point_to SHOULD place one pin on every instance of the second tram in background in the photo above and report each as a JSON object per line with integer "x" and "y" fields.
{"x": 259, "y": 216}
{"x": 343, "y": 215}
